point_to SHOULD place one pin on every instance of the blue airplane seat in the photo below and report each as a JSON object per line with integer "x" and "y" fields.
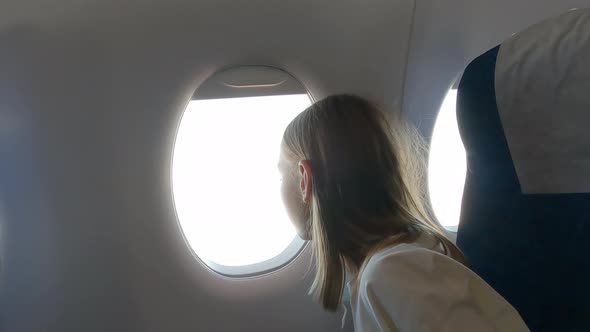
{"x": 523, "y": 111}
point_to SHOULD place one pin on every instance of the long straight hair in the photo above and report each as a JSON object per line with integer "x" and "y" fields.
{"x": 368, "y": 187}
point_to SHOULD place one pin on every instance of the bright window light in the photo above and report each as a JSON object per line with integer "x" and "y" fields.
{"x": 225, "y": 179}
{"x": 447, "y": 165}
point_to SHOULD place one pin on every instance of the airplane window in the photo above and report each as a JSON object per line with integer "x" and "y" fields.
{"x": 447, "y": 165}
{"x": 226, "y": 183}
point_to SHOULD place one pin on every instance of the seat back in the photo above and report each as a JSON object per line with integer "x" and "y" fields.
{"x": 523, "y": 111}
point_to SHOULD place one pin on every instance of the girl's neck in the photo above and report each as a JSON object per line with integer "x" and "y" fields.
{"x": 356, "y": 261}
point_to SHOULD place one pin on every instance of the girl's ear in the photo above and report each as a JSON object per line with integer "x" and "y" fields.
{"x": 305, "y": 183}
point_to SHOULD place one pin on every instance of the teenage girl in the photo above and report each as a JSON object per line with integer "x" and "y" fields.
{"x": 353, "y": 184}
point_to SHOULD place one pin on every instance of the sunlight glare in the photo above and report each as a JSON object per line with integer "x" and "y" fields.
{"x": 225, "y": 179}
{"x": 447, "y": 165}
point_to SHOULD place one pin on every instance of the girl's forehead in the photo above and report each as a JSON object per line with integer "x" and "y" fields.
{"x": 285, "y": 153}
{"x": 283, "y": 161}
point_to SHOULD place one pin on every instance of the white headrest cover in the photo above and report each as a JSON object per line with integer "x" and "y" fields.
{"x": 543, "y": 96}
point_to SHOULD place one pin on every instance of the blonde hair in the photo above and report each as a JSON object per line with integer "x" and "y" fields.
{"x": 368, "y": 187}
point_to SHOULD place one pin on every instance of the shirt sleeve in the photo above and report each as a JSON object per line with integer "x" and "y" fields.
{"x": 419, "y": 290}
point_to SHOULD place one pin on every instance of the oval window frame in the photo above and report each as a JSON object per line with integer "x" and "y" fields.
{"x": 233, "y": 82}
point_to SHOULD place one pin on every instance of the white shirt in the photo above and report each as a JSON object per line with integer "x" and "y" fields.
{"x": 415, "y": 288}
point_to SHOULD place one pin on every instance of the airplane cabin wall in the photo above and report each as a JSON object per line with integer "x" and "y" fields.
{"x": 91, "y": 98}
{"x": 448, "y": 34}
